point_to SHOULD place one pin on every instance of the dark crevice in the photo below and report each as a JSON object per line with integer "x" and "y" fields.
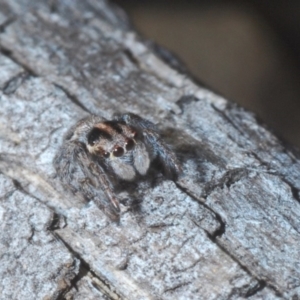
{"x": 14, "y": 83}
{"x": 73, "y": 98}
{"x": 262, "y": 163}
{"x": 53, "y": 6}
{"x": 7, "y": 195}
{"x": 174, "y": 62}
{"x": 295, "y": 192}
{"x": 131, "y": 57}
{"x": 261, "y": 284}
{"x": 247, "y": 291}
{"x": 6, "y": 23}
{"x": 244, "y": 133}
{"x": 215, "y": 236}
{"x": 58, "y": 222}
{"x": 228, "y": 119}
{"x": 186, "y": 100}
{"x": 173, "y": 289}
{"x": 5, "y": 52}
{"x": 54, "y": 223}
{"x": 98, "y": 288}
{"x": 269, "y": 168}
{"x": 168, "y": 57}
{"x": 8, "y": 53}
{"x": 20, "y": 188}
{"x": 290, "y": 150}
{"x": 135, "y": 61}
{"x": 29, "y": 239}
{"x": 222, "y": 228}
{"x": 83, "y": 270}
{"x": 232, "y": 109}
{"x": 10, "y": 192}
{"x": 228, "y": 179}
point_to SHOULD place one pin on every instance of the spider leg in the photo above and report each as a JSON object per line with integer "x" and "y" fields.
{"x": 136, "y": 122}
{"x": 156, "y": 146}
{"x": 78, "y": 171}
{"x": 162, "y": 152}
{"x": 105, "y": 184}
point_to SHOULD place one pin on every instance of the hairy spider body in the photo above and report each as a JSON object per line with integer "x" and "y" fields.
{"x": 97, "y": 154}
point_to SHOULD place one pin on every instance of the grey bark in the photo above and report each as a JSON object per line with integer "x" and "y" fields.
{"x": 229, "y": 228}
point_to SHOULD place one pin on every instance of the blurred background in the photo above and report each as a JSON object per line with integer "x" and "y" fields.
{"x": 249, "y": 51}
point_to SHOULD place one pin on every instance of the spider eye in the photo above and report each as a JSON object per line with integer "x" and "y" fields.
{"x": 129, "y": 144}
{"x": 106, "y": 154}
{"x": 119, "y": 151}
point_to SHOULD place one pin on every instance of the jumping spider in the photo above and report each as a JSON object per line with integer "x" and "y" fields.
{"x": 98, "y": 154}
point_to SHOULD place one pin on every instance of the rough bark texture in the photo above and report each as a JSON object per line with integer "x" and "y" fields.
{"x": 229, "y": 228}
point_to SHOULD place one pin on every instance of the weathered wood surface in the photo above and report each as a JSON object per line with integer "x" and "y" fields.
{"x": 228, "y": 229}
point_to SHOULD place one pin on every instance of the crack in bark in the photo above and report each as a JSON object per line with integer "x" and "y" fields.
{"x": 21, "y": 175}
{"x": 46, "y": 147}
{"x": 181, "y": 246}
{"x": 58, "y": 222}
{"x": 257, "y": 288}
{"x": 226, "y": 117}
{"x": 228, "y": 179}
{"x": 137, "y": 60}
{"x": 8, "y": 193}
{"x": 262, "y": 163}
{"x": 131, "y": 57}
{"x": 295, "y": 192}
{"x": 20, "y": 188}
{"x": 29, "y": 239}
{"x": 262, "y": 282}
{"x": 55, "y": 223}
{"x": 73, "y": 98}
{"x": 186, "y": 100}
{"x": 52, "y": 4}
{"x": 6, "y": 23}
{"x": 222, "y": 228}
{"x": 9, "y": 54}
{"x": 293, "y": 153}
{"x": 15, "y": 82}
{"x": 242, "y": 292}
{"x": 82, "y": 272}
{"x": 84, "y": 269}
{"x": 172, "y": 289}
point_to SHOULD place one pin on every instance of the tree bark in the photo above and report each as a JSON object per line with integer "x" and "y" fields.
{"x": 229, "y": 228}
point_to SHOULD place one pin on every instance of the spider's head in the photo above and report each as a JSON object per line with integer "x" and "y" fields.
{"x": 121, "y": 147}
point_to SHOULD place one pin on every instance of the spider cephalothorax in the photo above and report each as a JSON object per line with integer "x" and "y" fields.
{"x": 97, "y": 154}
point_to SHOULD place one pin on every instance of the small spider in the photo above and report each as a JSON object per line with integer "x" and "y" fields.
{"x": 98, "y": 154}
